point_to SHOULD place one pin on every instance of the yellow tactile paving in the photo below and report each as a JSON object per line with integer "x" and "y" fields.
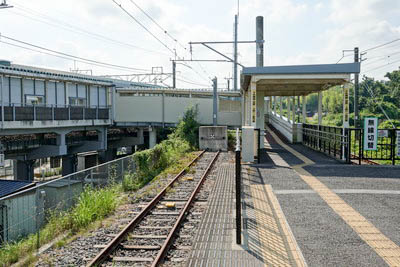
{"x": 278, "y": 247}
{"x": 382, "y": 245}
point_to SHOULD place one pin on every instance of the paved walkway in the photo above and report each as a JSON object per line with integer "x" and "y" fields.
{"x": 303, "y": 208}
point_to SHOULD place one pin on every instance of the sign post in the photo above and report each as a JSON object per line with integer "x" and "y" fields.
{"x": 398, "y": 143}
{"x": 370, "y": 133}
{"x": 346, "y": 120}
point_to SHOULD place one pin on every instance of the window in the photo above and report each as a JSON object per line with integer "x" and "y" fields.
{"x": 77, "y": 101}
{"x": 34, "y": 99}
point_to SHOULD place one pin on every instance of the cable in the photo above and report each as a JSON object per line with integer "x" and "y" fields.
{"x": 202, "y": 85}
{"x": 71, "y": 56}
{"x": 68, "y": 27}
{"x": 159, "y": 26}
{"x": 379, "y": 58}
{"x": 381, "y": 66}
{"x": 380, "y": 106}
{"x": 378, "y": 46}
{"x": 66, "y": 58}
{"x": 170, "y": 36}
{"x": 144, "y": 27}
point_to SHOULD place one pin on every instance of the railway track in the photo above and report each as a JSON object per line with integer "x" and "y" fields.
{"x": 147, "y": 238}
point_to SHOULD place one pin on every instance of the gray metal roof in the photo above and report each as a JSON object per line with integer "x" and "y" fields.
{"x": 304, "y": 69}
{"x": 8, "y": 187}
{"x": 41, "y": 73}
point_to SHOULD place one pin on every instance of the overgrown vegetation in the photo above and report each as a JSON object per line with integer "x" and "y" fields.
{"x": 95, "y": 204}
{"x": 373, "y": 95}
{"x": 92, "y": 204}
{"x": 151, "y": 162}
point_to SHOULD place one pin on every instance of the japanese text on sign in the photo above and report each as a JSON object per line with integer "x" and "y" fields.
{"x": 370, "y": 133}
{"x": 253, "y": 106}
{"x": 346, "y": 104}
{"x": 398, "y": 143}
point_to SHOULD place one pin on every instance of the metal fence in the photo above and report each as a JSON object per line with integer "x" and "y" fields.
{"x": 17, "y": 112}
{"x": 25, "y": 212}
{"x": 347, "y": 144}
{"x": 387, "y": 147}
{"x": 332, "y": 141}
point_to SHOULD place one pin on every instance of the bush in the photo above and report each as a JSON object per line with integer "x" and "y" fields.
{"x": 92, "y": 205}
{"x": 188, "y": 127}
{"x": 151, "y": 162}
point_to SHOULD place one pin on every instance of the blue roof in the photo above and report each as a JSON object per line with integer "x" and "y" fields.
{"x": 8, "y": 187}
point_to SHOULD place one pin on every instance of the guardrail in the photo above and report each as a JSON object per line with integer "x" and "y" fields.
{"x": 25, "y": 212}
{"x": 17, "y": 112}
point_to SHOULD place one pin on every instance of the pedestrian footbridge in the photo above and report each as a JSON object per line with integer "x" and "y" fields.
{"x": 164, "y": 107}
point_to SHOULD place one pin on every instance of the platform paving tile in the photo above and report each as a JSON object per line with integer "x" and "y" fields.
{"x": 215, "y": 241}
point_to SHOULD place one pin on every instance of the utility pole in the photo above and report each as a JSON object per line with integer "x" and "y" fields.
{"x": 215, "y": 102}
{"x": 356, "y": 88}
{"x": 173, "y": 74}
{"x": 235, "y": 88}
{"x": 259, "y": 41}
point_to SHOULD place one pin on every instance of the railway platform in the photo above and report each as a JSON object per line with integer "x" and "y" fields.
{"x": 301, "y": 208}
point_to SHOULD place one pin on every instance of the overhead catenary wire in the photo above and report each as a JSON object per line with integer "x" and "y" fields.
{"x": 58, "y": 56}
{"x": 144, "y": 27}
{"x": 158, "y": 25}
{"x": 381, "y": 45}
{"x": 170, "y": 36}
{"x": 379, "y": 67}
{"x": 72, "y": 56}
{"x": 45, "y": 19}
{"x": 379, "y": 104}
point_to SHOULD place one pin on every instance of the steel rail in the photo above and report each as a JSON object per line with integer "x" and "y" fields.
{"x": 105, "y": 253}
{"x": 164, "y": 249}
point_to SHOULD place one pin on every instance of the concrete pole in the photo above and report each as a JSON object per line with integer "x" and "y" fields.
{"x": 215, "y": 103}
{"x": 280, "y": 106}
{"x": 304, "y": 102}
{"x": 288, "y": 108}
{"x": 294, "y": 110}
{"x": 259, "y": 40}
{"x": 173, "y": 74}
{"x": 319, "y": 108}
{"x": 235, "y": 76}
{"x": 275, "y": 105}
{"x": 356, "y": 89}
{"x": 260, "y": 63}
{"x": 152, "y": 138}
{"x": 2, "y": 101}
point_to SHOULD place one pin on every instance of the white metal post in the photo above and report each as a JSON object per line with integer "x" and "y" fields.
{"x": 304, "y": 102}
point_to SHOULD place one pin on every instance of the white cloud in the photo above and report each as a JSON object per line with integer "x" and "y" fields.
{"x": 277, "y": 10}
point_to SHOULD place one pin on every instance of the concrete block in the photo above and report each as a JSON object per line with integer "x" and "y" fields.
{"x": 248, "y": 143}
{"x": 213, "y": 138}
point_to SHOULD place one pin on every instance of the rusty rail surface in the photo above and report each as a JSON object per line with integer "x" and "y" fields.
{"x": 164, "y": 249}
{"x": 105, "y": 253}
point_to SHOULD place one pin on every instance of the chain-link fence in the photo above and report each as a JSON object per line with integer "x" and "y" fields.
{"x": 25, "y": 212}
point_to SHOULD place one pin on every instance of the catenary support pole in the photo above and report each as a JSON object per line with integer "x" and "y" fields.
{"x": 173, "y": 74}
{"x": 235, "y": 76}
{"x": 215, "y": 102}
{"x": 259, "y": 41}
{"x": 356, "y": 90}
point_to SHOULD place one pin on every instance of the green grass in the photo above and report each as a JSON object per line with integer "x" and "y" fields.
{"x": 92, "y": 205}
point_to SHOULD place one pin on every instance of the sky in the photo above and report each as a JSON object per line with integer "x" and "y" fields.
{"x": 295, "y": 32}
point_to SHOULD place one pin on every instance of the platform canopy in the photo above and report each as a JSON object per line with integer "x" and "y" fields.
{"x": 297, "y": 80}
